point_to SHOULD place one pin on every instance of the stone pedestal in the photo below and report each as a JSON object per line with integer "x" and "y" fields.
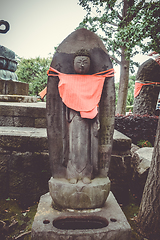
{"x": 108, "y": 222}
{"x": 18, "y": 98}
{"x": 9, "y": 87}
{"x": 80, "y": 195}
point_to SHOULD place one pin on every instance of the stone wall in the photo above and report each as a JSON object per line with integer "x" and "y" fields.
{"x": 24, "y": 175}
{"x": 25, "y": 170}
{"x": 120, "y": 172}
{"x": 23, "y": 114}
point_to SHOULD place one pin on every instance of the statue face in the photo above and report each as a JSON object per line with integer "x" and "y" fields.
{"x": 82, "y": 64}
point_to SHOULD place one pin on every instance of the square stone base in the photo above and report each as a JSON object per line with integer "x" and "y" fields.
{"x": 43, "y": 229}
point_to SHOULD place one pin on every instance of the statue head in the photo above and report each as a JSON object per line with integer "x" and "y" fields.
{"x": 82, "y": 61}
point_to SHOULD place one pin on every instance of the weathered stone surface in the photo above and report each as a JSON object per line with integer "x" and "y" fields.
{"x": 120, "y": 177}
{"x": 40, "y": 122}
{"x": 120, "y": 172}
{"x": 143, "y": 157}
{"x": 6, "y": 75}
{"x": 29, "y": 139}
{"x": 36, "y": 110}
{"x": 23, "y": 114}
{"x": 18, "y": 98}
{"x": 58, "y": 125}
{"x": 8, "y": 64}
{"x": 141, "y": 160}
{"x": 5, "y": 52}
{"x": 23, "y": 138}
{"x": 13, "y": 87}
{"x": 134, "y": 148}
{"x": 6, "y": 121}
{"x": 145, "y": 102}
{"x": 28, "y": 176}
{"x": 117, "y": 229}
{"x": 121, "y": 142}
{"x": 4, "y": 181}
{"x": 80, "y": 195}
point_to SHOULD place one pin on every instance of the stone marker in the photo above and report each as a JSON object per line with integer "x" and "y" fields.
{"x": 147, "y": 87}
{"x": 141, "y": 161}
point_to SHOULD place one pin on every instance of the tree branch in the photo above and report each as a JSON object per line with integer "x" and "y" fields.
{"x": 22, "y": 235}
{"x": 111, "y": 23}
{"x": 115, "y": 59}
{"x": 118, "y": 15}
{"x": 129, "y": 17}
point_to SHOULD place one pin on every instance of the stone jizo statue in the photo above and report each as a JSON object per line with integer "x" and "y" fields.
{"x": 80, "y": 120}
{"x": 83, "y": 143}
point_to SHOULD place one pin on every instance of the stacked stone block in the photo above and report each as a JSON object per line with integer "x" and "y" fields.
{"x": 9, "y": 84}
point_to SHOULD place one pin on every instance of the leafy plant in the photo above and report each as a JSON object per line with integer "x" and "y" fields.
{"x": 34, "y": 72}
{"x": 144, "y": 143}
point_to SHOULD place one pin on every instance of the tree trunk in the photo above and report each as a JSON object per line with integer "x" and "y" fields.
{"x": 123, "y": 84}
{"x": 149, "y": 212}
{"x": 124, "y": 72}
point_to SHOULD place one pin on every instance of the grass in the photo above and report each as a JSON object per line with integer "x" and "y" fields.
{"x": 18, "y": 220}
{"x": 131, "y": 212}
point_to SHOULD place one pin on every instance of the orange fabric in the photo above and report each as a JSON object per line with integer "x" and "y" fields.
{"x": 43, "y": 93}
{"x": 139, "y": 85}
{"x": 158, "y": 60}
{"x": 81, "y": 92}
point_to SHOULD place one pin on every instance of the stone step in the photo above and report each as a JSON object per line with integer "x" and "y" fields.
{"x": 35, "y": 139}
{"x": 23, "y": 139}
{"x": 18, "y": 114}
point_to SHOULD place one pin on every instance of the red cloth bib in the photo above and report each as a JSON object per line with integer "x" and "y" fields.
{"x": 139, "y": 85}
{"x": 81, "y": 92}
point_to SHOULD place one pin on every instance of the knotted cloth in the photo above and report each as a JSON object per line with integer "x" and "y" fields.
{"x": 81, "y": 93}
{"x": 139, "y": 85}
{"x": 43, "y": 93}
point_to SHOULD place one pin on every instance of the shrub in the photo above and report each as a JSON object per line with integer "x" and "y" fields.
{"x": 144, "y": 143}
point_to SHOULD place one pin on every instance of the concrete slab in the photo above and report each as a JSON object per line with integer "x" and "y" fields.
{"x": 23, "y": 131}
{"x": 18, "y": 98}
{"x": 44, "y": 226}
{"x": 22, "y": 104}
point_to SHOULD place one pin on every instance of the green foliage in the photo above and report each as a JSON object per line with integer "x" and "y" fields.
{"x": 144, "y": 143}
{"x": 126, "y": 27}
{"x": 151, "y": 30}
{"x": 130, "y": 95}
{"x": 128, "y": 108}
{"x": 34, "y": 72}
{"x": 124, "y": 24}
